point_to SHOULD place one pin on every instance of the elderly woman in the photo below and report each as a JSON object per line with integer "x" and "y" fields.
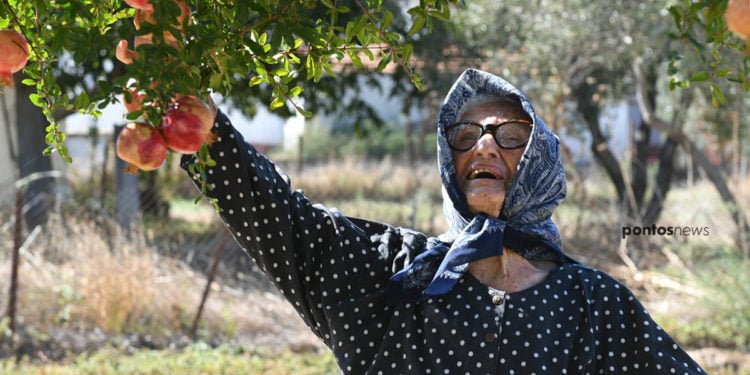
{"x": 495, "y": 294}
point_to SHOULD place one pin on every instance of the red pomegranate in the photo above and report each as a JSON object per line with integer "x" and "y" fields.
{"x": 183, "y": 131}
{"x": 141, "y": 146}
{"x": 135, "y": 102}
{"x": 140, "y": 4}
{"x": 192, "y": 104}
{"x": 15, "y": 54}
{"x": 738, "y": 17}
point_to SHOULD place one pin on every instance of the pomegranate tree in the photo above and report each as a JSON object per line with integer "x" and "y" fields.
{"x": 15, "y": 54}
{"x": 187, "y": 125}
{"x": 141, "y": 146}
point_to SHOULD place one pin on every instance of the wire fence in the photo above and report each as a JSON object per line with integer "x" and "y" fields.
{"x": 36, "y": 212}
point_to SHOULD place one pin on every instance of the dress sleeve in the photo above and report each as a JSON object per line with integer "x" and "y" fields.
{"x": 316, "y": 257}
{"x": 628, "y": 338}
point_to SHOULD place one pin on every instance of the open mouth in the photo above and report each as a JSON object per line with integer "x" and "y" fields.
{"x": 483, "y": 174}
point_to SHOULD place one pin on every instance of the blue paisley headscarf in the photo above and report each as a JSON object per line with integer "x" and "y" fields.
{"x": 525, "y": 223}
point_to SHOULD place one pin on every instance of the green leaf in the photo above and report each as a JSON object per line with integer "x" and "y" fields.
{"x": 717, "y": 96}
{"x": 387, "y": 20}
{"x": 700, "y": 76}
{"x": 356, "y": 60}
{"x": 82, "y": 101}
{"x": 277, "y": 103}
{"x": 442, "y": 15}
{"x": 723, "y": 73}
{"x": 37, "y": 99}
{"x": 304, "y": 112}
{"x": 418, "y": 23}
{"x": 384, "y": 62}
{"x": 296, "y": 91}
{"x": 256, "y": 80}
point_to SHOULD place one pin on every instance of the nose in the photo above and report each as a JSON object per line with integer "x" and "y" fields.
{"x": 486, "y": 146}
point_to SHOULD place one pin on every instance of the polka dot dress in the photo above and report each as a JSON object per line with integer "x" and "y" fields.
{"x": 333, "y": 270}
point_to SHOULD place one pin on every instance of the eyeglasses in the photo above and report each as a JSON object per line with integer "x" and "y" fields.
{"x": 510, "y": 135}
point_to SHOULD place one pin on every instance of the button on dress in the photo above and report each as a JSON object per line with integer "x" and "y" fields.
{"x": 334, "y": 269}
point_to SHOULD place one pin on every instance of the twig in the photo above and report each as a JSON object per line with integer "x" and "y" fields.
{"x": 211, "y": 276}
{"x": 622, "y": 252}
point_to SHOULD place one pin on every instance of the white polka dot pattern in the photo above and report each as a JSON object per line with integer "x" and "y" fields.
{"x": 333, "y": 270}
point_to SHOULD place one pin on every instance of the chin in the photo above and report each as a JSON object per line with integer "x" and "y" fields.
{"x": 485, "y": 198}
{"x": 485, "y": 207}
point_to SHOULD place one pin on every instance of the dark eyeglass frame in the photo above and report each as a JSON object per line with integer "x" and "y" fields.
{"x": 492, "y": 129}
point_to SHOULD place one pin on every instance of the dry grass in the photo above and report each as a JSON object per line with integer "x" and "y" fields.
{"x": 83, "y": 283}
{"x": 383, "y": 180}
{"x": 71, "y": 274}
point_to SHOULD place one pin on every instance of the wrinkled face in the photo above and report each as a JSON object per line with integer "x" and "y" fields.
{"x": 485, "y": 171}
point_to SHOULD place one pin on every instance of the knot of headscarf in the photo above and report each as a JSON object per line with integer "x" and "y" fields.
{"x": 524, "y": 224}
{"x": 436, "y": 270}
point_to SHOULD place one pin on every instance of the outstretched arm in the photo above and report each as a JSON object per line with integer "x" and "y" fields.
{"x": 314, "y": 256}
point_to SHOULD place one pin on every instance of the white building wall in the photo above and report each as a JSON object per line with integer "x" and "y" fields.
{"x": 7, "y": 137}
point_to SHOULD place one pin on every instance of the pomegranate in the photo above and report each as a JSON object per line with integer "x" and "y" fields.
{"x": 183, "y": 131}
{"x": 196, "y": 106}
{"x": 141, "y": 146}
{"x": 738, "y": 17}
{"x": 15, "y": 54}
{"x": 140, "y": 4}
{"x": 133, "y": 99}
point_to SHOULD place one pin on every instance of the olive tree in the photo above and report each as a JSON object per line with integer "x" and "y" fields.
{"x": 673, "y": 60}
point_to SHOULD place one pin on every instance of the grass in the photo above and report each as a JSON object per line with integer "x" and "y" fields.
{"x": 382, "y": 180}
{"x": 717, "y": 295}
{"x": 88, "y": 285}
{"x": 198, "y": 359}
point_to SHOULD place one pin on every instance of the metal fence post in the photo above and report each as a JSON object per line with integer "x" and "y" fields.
{"x": 17, "y": 234}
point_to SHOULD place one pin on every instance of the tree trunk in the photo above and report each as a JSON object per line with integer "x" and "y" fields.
{"x": 30, "y": 130}
{"x": 599, "y": 147}
{"x": 646, "y": 75}
{"x": 662, "y": 184}
{"x": 714, "y": 175}
{"x": 642, "y": 138}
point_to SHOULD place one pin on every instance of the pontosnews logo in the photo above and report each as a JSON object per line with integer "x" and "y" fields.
{"x": 671, "y": 231}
